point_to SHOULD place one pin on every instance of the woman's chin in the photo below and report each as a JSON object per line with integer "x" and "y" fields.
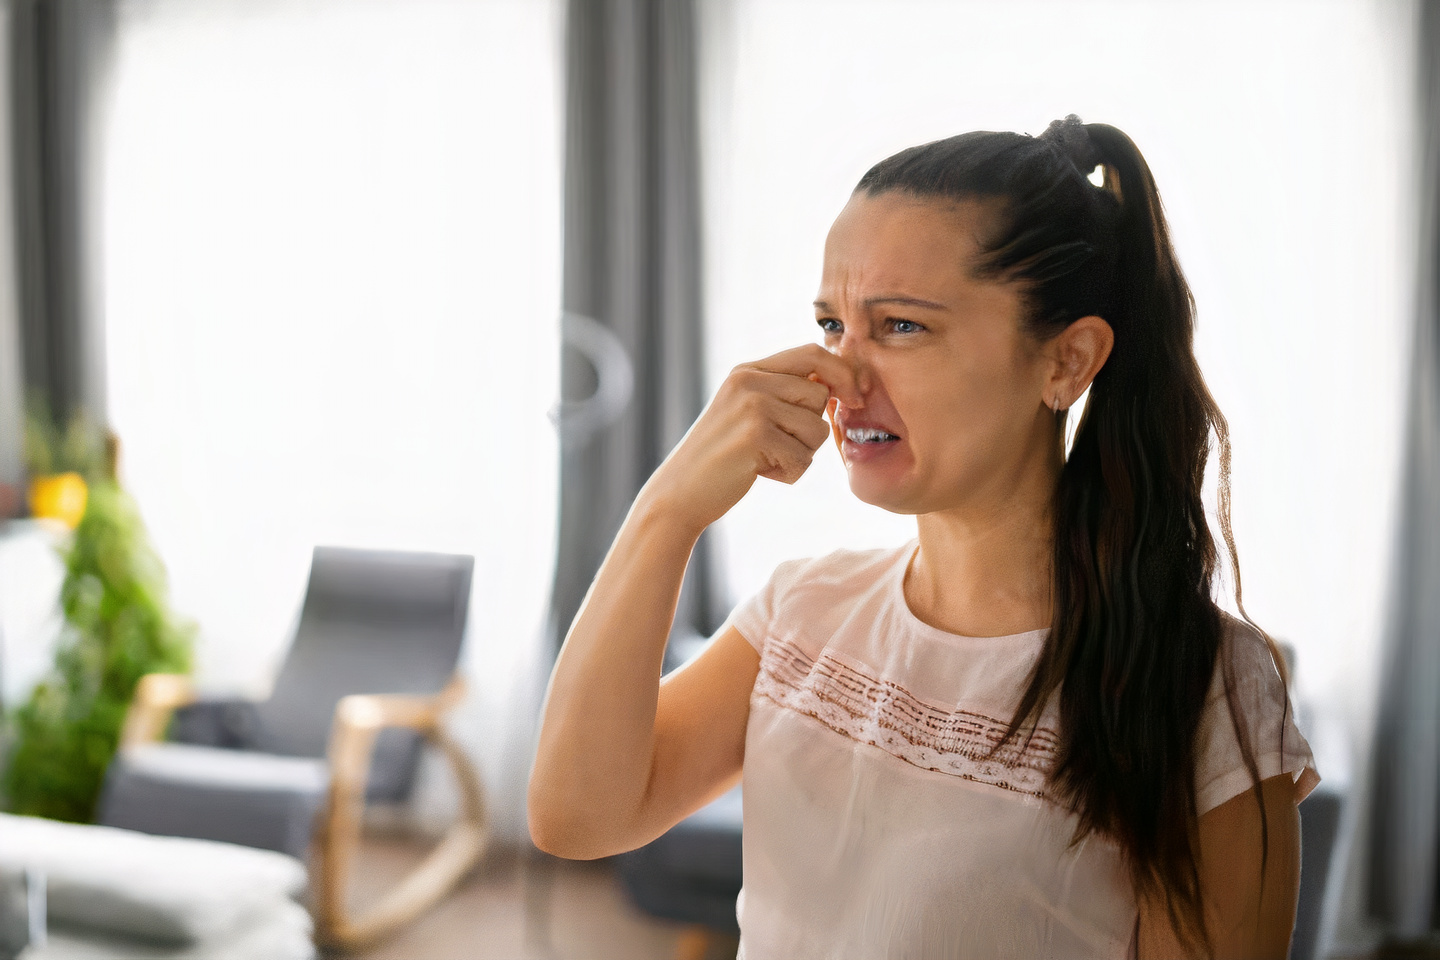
{"x": 875, "y": 491}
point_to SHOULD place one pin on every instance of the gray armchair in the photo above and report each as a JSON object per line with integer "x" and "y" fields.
{"x": 369, "y": 676}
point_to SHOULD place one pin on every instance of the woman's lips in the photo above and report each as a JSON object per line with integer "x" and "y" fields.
{"x": 865, "y": 441}
{"x": 869, "y": 435}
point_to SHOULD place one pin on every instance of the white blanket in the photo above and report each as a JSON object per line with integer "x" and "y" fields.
{"x": 164, "y": 896}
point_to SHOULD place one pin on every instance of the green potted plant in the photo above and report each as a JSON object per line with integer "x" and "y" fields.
{"x": 117, "y": 627}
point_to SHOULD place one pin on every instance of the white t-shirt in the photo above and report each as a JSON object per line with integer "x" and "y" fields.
{"x": 875, "y": 827}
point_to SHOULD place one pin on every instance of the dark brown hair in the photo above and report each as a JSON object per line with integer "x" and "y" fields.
{"x": 1135, "y": 633}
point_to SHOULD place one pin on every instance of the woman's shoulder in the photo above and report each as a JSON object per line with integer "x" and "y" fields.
{"x": 1252, "y": 660}
{"x": 1248, "y": 704}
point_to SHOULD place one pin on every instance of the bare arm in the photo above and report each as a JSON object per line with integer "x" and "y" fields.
{"x": 622, "y": 757}
{"x": 1245, "y": 918}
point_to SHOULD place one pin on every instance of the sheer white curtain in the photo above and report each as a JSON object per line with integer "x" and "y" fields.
{"x": 1280, "y": 135}
{"x": 332, "y": 247}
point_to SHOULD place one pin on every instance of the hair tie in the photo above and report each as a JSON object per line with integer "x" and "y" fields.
{"x": 1071, "y": 137}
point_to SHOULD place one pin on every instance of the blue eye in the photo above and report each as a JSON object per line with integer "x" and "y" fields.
{"x": 830, "y": 325}
{"x": 905, "y": 326}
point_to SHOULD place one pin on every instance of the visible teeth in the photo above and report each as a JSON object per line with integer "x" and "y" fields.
{"x": 868, "y": 435}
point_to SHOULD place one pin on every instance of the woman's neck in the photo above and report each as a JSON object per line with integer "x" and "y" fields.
{"x": 986, "y": 572}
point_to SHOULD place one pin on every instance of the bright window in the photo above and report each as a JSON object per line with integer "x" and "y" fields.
{"x": 332, "y": 297}
{"x": 1279, "y": 134}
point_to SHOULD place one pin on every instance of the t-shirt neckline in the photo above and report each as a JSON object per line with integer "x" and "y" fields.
{"x": 905, "y": 557}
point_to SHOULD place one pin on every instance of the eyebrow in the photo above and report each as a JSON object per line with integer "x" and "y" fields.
{"x": 897, "y": 300}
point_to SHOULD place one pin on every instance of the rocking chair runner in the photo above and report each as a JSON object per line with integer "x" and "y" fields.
{"x": 365, "y": 680}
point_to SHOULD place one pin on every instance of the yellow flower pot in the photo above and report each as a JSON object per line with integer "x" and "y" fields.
{"x": 59, "y": 496}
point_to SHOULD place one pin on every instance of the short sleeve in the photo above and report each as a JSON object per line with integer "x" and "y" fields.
{"x": 1263, "y": 716}
{"x": 755, "y": 618}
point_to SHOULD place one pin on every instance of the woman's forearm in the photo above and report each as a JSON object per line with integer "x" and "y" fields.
{"x": 597, "y": 738}
{"x": 596, "y": 764}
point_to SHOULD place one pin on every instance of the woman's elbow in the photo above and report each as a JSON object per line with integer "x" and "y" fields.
{"x": 562, "y": 828}
{"x": 549, "y": 830}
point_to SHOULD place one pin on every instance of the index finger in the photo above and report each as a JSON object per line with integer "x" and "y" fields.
{"x": 814, "y": 362}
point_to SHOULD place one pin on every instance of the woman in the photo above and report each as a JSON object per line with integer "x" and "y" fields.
{"x": 1013, "y": 736}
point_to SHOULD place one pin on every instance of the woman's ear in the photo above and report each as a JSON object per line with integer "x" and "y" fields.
{"x": 1077, "y": 353}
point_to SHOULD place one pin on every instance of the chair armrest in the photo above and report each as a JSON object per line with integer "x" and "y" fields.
{"x": 374, "y": 711}
{"x": 157, "y": 695}
{"x": 358, "y": 719}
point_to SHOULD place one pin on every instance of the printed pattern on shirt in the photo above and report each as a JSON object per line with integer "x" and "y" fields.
{"x": 858, "y": 705}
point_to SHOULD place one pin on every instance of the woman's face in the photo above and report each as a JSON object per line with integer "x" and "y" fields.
{"x": 954, "y": 406}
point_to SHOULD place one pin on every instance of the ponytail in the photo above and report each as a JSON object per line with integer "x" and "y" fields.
{"x": 1135, "y": 634}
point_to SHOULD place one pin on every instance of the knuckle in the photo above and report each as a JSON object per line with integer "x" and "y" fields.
{"x": 742, "y": 377}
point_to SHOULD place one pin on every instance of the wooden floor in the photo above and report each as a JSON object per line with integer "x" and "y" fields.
{"x": 521, "y": 905}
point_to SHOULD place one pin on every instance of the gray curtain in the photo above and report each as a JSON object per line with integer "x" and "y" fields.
{"x": 59, "y": 55}
{"x": 631, "y": 370}
{"x": 11, "y": 375}
{"x": 1405, "y": 812}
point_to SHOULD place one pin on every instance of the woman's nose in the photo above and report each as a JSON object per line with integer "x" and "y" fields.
{"x": 856, "y": 352}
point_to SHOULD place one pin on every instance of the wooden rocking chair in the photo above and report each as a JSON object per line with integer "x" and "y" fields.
{"x": 369, "y": 677}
